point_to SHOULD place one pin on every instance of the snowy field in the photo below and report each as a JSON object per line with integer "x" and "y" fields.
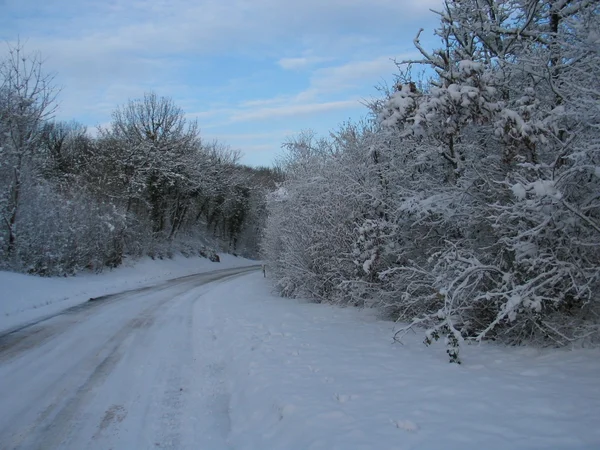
{"x": 221, "y": 363}
{"x": 24, "y": 298}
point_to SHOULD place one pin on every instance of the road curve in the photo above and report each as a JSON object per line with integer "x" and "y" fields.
{"x": 124, "y": 371}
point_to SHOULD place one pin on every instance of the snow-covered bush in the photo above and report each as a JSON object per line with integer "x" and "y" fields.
{"x": 471, "y": 204}
{"x": 521, "y": 138}
{"x": 62, "y": 235}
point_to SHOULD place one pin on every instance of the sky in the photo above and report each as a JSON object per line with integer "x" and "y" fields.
{"x": 251, "y": 72}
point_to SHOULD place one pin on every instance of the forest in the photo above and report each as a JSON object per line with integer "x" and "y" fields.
{"x": 147, "y": 184}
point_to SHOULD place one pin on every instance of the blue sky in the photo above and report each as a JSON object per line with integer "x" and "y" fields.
{"x": 252, "y": 72}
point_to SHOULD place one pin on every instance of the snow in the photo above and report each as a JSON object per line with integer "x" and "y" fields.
{"x": 314, "y": 376}
{"x": 541, "y": 188}
{"x": 468, "y": 67}
{"x": 368, "y": 264}
{"x": 25, "y": 298}
{"x": 228, "y": 365}
{"x": 519, "y": 191}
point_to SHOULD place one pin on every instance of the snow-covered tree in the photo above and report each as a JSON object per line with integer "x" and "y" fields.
{"x": 507, "y": 97}
{"x": 146, "y": 185}
{"x": 27, "y": 100}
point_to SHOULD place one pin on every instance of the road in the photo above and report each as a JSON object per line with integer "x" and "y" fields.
{"x": 135, "y": 370}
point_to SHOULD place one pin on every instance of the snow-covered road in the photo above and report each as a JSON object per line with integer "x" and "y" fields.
{"x": 124, "y": 371}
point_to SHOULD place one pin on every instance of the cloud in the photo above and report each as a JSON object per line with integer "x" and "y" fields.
{"x": 293, "y": 110}
{"x": 341, "y": 80}
{"x": 226, "y": 61}
{"x": 300, "y": 62}
{"x": 159, "y": 28}
{"x": 263, "y": 102}
{"x": 347, "y": 76}
{"x": 252, "y": 136}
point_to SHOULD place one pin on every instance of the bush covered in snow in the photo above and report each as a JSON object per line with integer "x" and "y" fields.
{"x": 471, "y": 203}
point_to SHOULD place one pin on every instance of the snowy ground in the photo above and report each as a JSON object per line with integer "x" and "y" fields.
{"x": 217, "y": 362}
{"x": 313, "y": 376}
{"x": 25, "y": 298}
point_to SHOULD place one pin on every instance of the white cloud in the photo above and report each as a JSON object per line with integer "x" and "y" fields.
{"x": 330, "y": 80}
{"x": 293, "y": 110}
{"x": 324, "y": 82}
{"x": 300, "y": 62}
{"x": 216, "y": 57}
{"x": 235, "y": 137}
{"x": 263, "y": 102}
{"x": 343, "y": 79}
{"x": 158, "y": 27}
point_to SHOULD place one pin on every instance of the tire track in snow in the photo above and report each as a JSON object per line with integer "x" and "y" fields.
{"x": 53, "y": 433}
{"x": 30, "y": 335}
{"x": 64, "y": 419}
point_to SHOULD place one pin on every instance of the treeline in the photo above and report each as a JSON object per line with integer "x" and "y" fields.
{"x": 470, "y": 203}
{"x": 146, "y": 184}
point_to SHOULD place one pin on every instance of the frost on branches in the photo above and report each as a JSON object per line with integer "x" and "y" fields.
{"x": 471, "y": 205}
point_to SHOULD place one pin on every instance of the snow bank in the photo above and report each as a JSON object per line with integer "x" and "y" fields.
{"x": 314, "y": 376}
{"x": 24, "y": 298}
